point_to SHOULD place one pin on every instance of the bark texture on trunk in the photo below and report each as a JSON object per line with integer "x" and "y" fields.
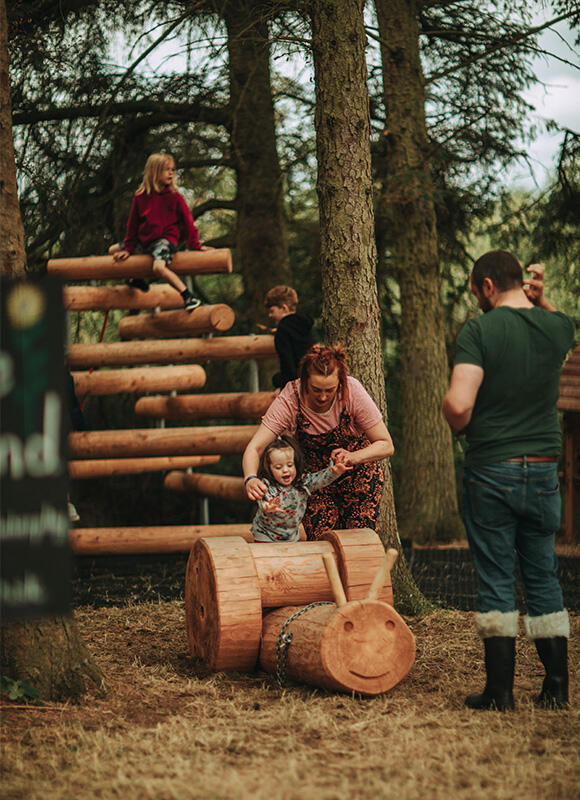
{"x": 261, "y": 241}
{"x": 347, "y": 248}
{"x": 427, "y": 499}
{"x": 51, "y": 655}
{"x": 48, "y": 652}
{"x": 12, "y": 254}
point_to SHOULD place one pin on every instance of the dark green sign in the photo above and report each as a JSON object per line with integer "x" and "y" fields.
{"x": 35, "y": 565}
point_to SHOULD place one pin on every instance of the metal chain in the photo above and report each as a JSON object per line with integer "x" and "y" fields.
{"x": 284, "y": 639}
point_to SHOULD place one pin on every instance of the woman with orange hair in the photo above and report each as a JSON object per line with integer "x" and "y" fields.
{"x": 333, "y": 417}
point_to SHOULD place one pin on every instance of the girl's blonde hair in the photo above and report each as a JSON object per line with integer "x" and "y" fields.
{"x": 151, "y": 175}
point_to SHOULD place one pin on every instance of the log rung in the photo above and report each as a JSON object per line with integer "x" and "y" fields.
{"x": 187, "y": 262}
{"x": 174, "y": 351}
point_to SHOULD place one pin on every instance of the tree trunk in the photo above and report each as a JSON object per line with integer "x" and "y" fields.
{"x": 427, "y": 499}
{"x": 12, "y": 255}
{"x": 261, "y": 242}
{"x": 48, "y": 652}
{"x": 51, "y": 655}
{"x": 347, "y": 247}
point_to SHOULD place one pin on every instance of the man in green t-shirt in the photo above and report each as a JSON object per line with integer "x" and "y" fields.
{"x": 503, "y": 392}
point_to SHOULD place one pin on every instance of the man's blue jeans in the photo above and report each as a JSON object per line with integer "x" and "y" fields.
{"x": 510, "y": 508}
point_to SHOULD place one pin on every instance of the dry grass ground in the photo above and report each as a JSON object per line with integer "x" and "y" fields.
{"x": 168, "y": 729}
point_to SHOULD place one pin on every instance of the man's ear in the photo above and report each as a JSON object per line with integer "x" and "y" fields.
{"x": 488, "y": 287}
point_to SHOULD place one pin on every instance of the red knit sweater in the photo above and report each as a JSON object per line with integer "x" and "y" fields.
{"x": 157, "y": 216}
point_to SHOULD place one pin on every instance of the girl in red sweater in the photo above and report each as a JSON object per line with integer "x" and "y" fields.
{"x": 153, "y": 227}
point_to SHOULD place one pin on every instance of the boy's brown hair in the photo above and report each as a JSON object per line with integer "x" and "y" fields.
{"x": 281, "y": 295}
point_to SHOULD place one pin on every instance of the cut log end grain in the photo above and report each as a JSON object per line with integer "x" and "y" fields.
{"x": 223, "y": 605}
{"x": 363, "y": 646}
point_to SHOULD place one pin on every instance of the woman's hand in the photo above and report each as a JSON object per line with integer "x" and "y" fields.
{"x": 122, "y": 255}
{"x": 255, "y": 489}
{"x": 340, "y": 467}
{"x": 381, "y": 446}
{"x": 343, "y": 460}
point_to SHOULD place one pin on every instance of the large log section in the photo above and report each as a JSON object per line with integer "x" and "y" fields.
{"x": 213, "y": 440}
{"x": 229, "y": 581}
{"x": 105, "y": 298}
{"x": 175, "y": 351}
{"x": 139, "y": 380}
{"x": 224, "y": 487}
{"x": 152, "y": 539}
{"x": 173, "y": 324}
{"x": 235, "y": 405}
{"x": 107, "y": 467}
{"x": 104, "y": 268}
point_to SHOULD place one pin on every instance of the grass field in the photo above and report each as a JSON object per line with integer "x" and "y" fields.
{"x": 169, "y": 729}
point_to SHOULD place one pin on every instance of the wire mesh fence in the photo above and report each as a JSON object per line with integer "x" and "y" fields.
{"x": 445, "y": 576}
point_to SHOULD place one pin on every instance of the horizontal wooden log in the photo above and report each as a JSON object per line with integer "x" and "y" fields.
{"x": 148, "y": 539}
{"x": 571, "y": 404}
{"x": 363, "y": 646}
{"x": 292, "y": 573}
{"x": 212, "y": 440}
{"x": 174, "y": 351}
{"x": 173, "y": 324}
{"x": 224, "y": 487}
{"x": 234, "y": 405}
{"x": 570, "y": 379}
{"x": 106, "y": 467}
{"x": 105, "y": 298}
{"x": 139, "y": 380}
{"x": 103, "y": 268}
{"x": 570, "y": 389}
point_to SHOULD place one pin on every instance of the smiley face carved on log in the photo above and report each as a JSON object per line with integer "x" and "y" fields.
{"x": 367, "y": 647}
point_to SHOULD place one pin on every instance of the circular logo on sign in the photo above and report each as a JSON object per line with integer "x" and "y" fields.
{"x": 25, "y": 305}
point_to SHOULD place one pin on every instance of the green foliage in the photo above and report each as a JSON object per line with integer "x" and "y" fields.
{"x": 22, "y": 691}
{"x": 546, "y": 229}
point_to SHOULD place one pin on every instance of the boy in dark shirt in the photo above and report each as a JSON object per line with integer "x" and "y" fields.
{"x": 293, "y": 335}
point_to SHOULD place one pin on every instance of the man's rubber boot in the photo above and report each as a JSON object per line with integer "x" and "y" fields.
{"x": 553, "y": 654}
{"x": 500, "y": 658}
